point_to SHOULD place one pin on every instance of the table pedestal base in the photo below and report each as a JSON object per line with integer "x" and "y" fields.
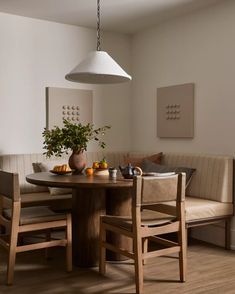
{"x": 118, "y": 202}
{"x": 87, "y": 207}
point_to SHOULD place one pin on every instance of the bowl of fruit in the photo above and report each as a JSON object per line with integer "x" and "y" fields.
{"x": 100, "y": 167}
{"x": 61, "y": 169}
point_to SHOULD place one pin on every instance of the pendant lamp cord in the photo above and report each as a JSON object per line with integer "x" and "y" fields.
{"x": 98, "y": 25}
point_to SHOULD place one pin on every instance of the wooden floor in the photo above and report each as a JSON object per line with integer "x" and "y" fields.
{"x": 211, "y": 270}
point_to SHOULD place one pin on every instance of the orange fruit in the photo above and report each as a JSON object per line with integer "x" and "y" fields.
{"x": 95, "y": 164}
{"x": 89, "y": 171}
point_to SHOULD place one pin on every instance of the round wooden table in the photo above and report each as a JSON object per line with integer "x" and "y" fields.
{"x": 92, "y": 196}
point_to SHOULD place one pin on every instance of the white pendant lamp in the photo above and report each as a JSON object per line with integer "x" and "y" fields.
{"x": 99, "y": 67}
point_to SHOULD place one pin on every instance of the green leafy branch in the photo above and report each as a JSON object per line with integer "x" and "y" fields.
{"x": 72, "y": 136}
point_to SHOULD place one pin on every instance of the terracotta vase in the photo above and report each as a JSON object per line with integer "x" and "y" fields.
{"x": 77, "y": 161}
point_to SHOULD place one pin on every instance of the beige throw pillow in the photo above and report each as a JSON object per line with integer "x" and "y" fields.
{"x": 47, "y": 166}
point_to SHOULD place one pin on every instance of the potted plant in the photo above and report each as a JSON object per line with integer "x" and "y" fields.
{"x": 74, "y": 137}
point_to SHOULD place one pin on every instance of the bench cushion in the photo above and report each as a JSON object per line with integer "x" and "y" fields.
{"x": 42, "y": 196}
{"x": 198, "y": 209}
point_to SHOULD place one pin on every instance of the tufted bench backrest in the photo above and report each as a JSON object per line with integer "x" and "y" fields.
{"x": 22, "y": 164}
{"x": 213, "y": 178}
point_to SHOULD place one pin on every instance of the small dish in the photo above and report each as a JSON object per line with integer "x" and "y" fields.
{"x": 154, "y": 174}
{"x": 101, "y": 172}
{"x": 60, "y": 172}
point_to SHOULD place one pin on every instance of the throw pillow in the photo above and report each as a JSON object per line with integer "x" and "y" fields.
{"x": 138, "y": 160}
{"x": 47, "y": 166}
{"x": 149, "y": 166}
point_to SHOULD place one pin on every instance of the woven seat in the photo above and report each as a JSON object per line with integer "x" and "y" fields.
{"x": 148, "y": 218}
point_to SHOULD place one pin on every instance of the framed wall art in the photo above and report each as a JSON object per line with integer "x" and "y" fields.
{"x": 175, "y": 111}
{"x": 74, "y": 105}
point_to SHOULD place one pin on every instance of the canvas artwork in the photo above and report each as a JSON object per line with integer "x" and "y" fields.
{"x": 175, "y": 111}
{"x": 74, "y": 105}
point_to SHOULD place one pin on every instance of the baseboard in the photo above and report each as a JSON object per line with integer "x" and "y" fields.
{"x": 214, "y": 234}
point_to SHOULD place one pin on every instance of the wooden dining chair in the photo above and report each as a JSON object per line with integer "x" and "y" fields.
{"x": 19, "y": 220}
{"x": 147, "y": 224}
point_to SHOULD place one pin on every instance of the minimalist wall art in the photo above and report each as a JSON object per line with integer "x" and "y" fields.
{"x": 71, "y": 104}
{"x": 175, "y": 111}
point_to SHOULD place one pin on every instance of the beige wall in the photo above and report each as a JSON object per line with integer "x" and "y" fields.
{"x": 199, "y": 48}
{"x": 195, "y": 48}
{"x": 35, "y": 54}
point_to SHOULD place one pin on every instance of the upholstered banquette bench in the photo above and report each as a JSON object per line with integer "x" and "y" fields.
{"x": 209, "y": 193}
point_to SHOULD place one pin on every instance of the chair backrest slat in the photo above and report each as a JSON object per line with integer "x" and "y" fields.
{"x": 161, "y": 189}
{"x": 9, "y": 185}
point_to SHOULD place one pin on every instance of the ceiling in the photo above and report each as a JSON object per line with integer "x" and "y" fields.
{"x": 125, "y": 16}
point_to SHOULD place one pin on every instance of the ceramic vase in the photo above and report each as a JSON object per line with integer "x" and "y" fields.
{"x": 77, "y": 161}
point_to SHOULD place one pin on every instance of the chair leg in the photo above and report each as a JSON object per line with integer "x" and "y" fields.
{"x": 182, "y": 235}
{"x": 13, "y": 242}
{"x": 69, "y": 244}
{"x": 187, "y": 233}
{"x": 102, "y": 257}
{"x": 228, "y": 234}
{"x": 12, "y": 257}
{"x": 145, "y": 248}
{"x": 139, "y": 278}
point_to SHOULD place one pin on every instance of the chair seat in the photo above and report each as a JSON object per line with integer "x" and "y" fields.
{"x": 148, "y": 218}
{"x": 34, "y": 215}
